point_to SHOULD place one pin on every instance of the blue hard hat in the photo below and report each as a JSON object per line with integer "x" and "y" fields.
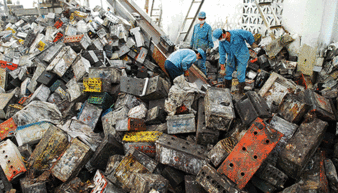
{"x": 217, "y": 33}
{"x": 202, "y": 15}
{"x": 202, "y": 52}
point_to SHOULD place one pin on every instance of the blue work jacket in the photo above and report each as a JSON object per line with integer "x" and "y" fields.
{"x": 183, "y": 59}
{"x": 202, "y": 37}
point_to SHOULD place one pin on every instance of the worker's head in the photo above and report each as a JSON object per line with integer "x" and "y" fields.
{"x": 220, "y": 34}
{"x": 202, "y": 17}
{"x": 108, "y": 8}
{"x": 200, "y": 54}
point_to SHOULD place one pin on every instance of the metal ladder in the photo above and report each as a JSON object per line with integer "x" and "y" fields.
{"x": 267, "y": 24}
{"x": 158, "y": 16}
{"x": 186, "y": 33}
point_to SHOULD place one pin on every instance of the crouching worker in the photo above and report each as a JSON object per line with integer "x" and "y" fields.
{"x": 180, "y": 61}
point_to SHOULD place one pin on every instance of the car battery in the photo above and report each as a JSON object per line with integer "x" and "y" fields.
{"x": 174, "y": 176}
{"x": 77, "y": 42}
{"x": 191, "y": 186}
{"x": 90, "y": 56}
{"x": 7, "y": 128}
{"x": 134, "y": 86}
{"x": 262, "y": 185}
{"x": 95, "y": 45}
{"x": 293, "y": 189}
{"x": 140, "y": 58}
{"x": 167, "y": 44}
{"x": 204, "y": 135}
{"x": 31, "y": 134}
{"x": 275, "y": 88}
{"x": 139, "y": 39}
{"x": 29, "y": 38}
{"x": 118, "y": 64}
{"x": 109, "y": 120}
{"x": 272, "y": 175}
{"x": 74, "y": 90}
{"x": 3, "y": 78}
{"x": 29, "y": 186}
{"x": 155, "y": 116}
{"x": 144, "y": 183}
{"x": 126, "y": 100}
{"x": 180, "y": 154}
{"x": 293, "y": 108}
{"x": 126, "y": 168}
{"x": 89, "y": 114}
{"x": 101, "y": 100}
{"x": 253, "y": 66}
{"x": 147, "y": 148}
{"x": 123, "y": 50}
{"x": 221, "y": 150}
{"x": 108, "y": 147}
{"x": 61, "y": 63}
{"x": 149, "y": 65}
{"x": 132, "y": 54}
{"x": 73, "y": 186}
{"x": 109, "y": 76}
{"x": 130, "y": 124}
{"x": 40, "y": 69}
{"x": 103, "y": 185}
{"x": 23, "y": 89}
{"x": 69, "y": 74}
{"x": 331, "y": 174}
{"x": 261, "y": 78}
{"x": 214, "y": 182}
{"x": 142, "y": 72}
{"x": 80, "y": 67}
{"x": 301, "y": 146}
{"x": 285, "y": 127}
{"x": 313, "y": 177}
{"x": 58, "y": 24}
{"x": 72, "y": 160}
{"x": 50, "y": 147}
{"x": 11, "y": 163}
{"x": 47, "y": 78}
{"x": 6, "y": 99}
{"x": 184, "y": 123}
{"x": 219, "y": 110}
{"x": 156, "y": 88}
{"x": 58, "y": 83}
{"x": 58, "y": 36}
{"x": 250, "y": 152}
{"x": 322, "y": 106}
{"x": 252, "y": 106}
{"x": 92, "y": 84}
{"x": 42, "y": 93}
{"x": 112, "y": 164}
{"x": 12, "y": 109}
{"x": 53, "y": 52}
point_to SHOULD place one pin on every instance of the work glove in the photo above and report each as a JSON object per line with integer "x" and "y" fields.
{"x": 222, "y": 71}
{"x": 186, "y": 73}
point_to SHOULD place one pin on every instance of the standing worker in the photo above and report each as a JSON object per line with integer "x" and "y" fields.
{"x": 202, "y": 38}
{"x": 180, "y": 61}
{"x": 232, "y": 43}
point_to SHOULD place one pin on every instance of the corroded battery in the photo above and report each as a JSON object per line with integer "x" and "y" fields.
{"x": 3, "y": 78}
{"x": 50, "y": 147}
{"x": 38, "y": 72}
{"x": 144, "y": 183}
{"x": 157, "y": 88}
{"x": 28, "y": 186}
{"x": 175, "y": 177}
{"x": 7, "y": 128}
{"x": 262, "y": 185}
{"x": 142, "y": 136}
{"x": 73, "y": 186}
{"x": 6, "y": 99}
{"x": 89, "y": 114}
{"x": 12, "y": 109}
{"x": 301, "y": 147}
{"x": 108, "y": 147}
{"x": 90, "y": 56}
{"x": 41, "y": 93}
{"x": 109, "y": 76}
{"x": 74, "y": 90}
{"x": 92, "y": 84}
{"x": 11, "y": 161}
{"x": 77, "y": 42}
{"x": 252, "y": 106}
{"x": 204, "y": 135}
{"x": 293, "y": 189}
{"x": 213, "y": 182}
{"x": 156, "y": 115}
{"x": 102, "y": 100}
{"x": 147, "y": 148}
{"x": 80, "y": 67}
{"x": 221, "y": 150}
{"x": 219, "y": 110}
{"x": 103, "y": 185}
{"x": 272, "y": 175}
{"x": 184, "y": 123}
{"x": 250, "y": 152}
{"x": 292, "y": 108}
{"x": 331, "y": 174}
{"x": 180, "y": 154}
{"x": 134, "y": 86}
{"x": 142, "y": 55}
{"x": 47, "y": 78}
{"x": 53, "y": 52}
{"x": 32, "y": 133}
{"x": 109, "y": 120}
{"x": 322, "y": 106}
{"x": 62, "y": 61}
{"x": 72, "y": 160}
{"x": 130, "y": 124}
{"x": 112, "y": 164}
{"x": 191, "y": 186}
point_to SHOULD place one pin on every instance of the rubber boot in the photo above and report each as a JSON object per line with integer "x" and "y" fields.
{"x": 241, "y": 88}
{"x": 227, "y": 83}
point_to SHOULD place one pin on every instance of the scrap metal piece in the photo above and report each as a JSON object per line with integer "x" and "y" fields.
{"x": 219, "y": 110}
{"x": 221, "y": 150}
{"x": 50, "y": 147}
{"x": 180, "y": 154}
{"x": 184, "y": 123}
{"x": 292, "y": 108}
{"x": 32, "y": 133}
{"x": 301, "y": 147}
{"x": 7, "y": 128}
{"x": 252, "y": 106}
{"x": 11, "y": 163}
{"x": 250, "y": 152}
{"x": 89, "y": 114}
{"x": 72, "y": 160}
{"x": 213, "y": 182}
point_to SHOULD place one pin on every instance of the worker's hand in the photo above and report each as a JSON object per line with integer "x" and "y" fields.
{"x": 222, "y": 71}
{"x": 186, "y": 73}
{"x": 254, "y": 45}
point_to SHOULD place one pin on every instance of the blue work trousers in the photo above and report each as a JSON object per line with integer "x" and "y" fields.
{"x": 172, "y": 70}
{"x": 241, "y": 69}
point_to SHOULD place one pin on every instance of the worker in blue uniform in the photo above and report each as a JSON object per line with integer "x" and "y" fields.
{"x": 181, "y": 60}
{"x": 233, "y": 44}
{"x": 201, "y": 38}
